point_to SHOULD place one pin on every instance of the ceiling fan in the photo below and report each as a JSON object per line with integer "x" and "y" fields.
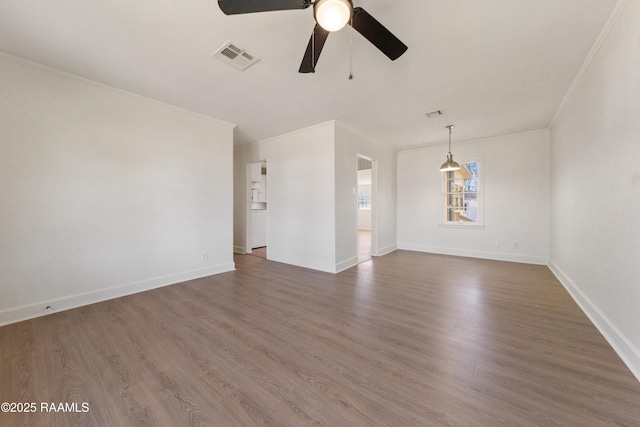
{"x": 330, "y": 15}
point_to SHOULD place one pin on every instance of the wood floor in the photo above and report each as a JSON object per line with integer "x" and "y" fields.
{"x": 406, "y": 339}
{"x": 364, "y": 245}
{"x": 259, "y": 252}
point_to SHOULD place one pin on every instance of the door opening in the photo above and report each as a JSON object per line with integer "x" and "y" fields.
{"x": 257, "y": 230}
{"x": 365, "y": 204}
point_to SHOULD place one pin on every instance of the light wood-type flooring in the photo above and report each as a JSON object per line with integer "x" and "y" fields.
{"x": 408, "y": 339}
{"x": 364, "y": 245}
{"x": 260, "y": 252}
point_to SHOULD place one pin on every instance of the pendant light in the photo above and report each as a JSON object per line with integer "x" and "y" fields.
{"x": 449, "y": 165}
{"x": 332, "y": 15}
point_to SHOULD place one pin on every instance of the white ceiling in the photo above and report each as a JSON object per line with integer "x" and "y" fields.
{"x": 494, "y": 67}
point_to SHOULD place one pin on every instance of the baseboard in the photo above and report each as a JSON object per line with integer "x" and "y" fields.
{"x": 496, "y": 256}
{"x": 387, "y": 250}
{"x": 38, "y": 309}
{"x": 628, "y": 352}
{"x": 346, "y": 264}
{"x": 239, "y": 250}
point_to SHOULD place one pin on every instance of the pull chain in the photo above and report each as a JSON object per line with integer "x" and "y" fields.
{"x": 351, "y": 49}
{"x": 313, "y": 50}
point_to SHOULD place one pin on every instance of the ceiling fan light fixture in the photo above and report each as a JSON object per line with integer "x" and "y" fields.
{"x": 332, "y": 15}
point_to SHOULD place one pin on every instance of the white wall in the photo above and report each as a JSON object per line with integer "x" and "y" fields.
{"x": 104, "y": 193}
{"x": 242, "y": 156}
{"x": 595, "y": 183}
{"x": 300, "y": 211}
{"x": 516, "y": 194}
{"x": 349, "y": 143}
{"x": 312, "y": 215}
{"x": 364, "y": 219}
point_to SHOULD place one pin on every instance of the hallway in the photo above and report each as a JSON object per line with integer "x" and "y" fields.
{"x": 364, "y": 245}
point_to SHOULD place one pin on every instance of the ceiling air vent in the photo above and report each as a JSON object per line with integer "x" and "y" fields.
{"x": 235, "y": 56}
{"x": 433, "y": 114}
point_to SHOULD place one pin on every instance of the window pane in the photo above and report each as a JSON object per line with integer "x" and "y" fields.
{"x": 364, "y": 200}
{"x": 471, "y": 206}
{"x": 471, "y": 184}
{"x": 364, "y": 196}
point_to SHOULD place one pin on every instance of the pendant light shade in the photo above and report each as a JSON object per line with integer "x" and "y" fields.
{"x": 450, "y": 164}
{"x": 332, "y": 15}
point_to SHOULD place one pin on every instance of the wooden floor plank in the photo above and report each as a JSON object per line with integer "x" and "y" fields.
{"x": 405, "y": 339}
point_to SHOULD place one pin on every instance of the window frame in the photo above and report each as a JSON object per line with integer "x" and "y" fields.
{"x": 479, "y": 223}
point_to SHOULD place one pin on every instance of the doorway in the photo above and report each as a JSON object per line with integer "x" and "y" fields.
{"x": 365, "y": 205}
{"x": 257, "y": 215}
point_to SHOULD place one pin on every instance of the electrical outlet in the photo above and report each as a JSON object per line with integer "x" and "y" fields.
{"x": 205, "y": 256}
{"x": 516, "y": 245}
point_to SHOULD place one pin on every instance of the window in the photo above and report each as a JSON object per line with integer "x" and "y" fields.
{"x": 364, "y": 196}
{"x": 461, "y": 195}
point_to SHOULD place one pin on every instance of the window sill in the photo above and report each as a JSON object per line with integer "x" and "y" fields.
{"x": 460, "y": 225}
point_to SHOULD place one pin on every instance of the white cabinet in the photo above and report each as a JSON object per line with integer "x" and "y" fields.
{"x": 258, "y": 228}
{"x": 262, "y": 191}
{"x": 256, "y": 172}
{"x": 258, "y": 183}
{"x": 259, "y": 190}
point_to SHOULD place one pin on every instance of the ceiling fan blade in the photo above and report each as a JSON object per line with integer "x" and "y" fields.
{"x": 235, "y": 7}
{"x": 377, "y": 34}
{"x": 311, "y": 55}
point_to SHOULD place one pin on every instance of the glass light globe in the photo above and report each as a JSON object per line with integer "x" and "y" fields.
{"x": 332, "y": 15}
